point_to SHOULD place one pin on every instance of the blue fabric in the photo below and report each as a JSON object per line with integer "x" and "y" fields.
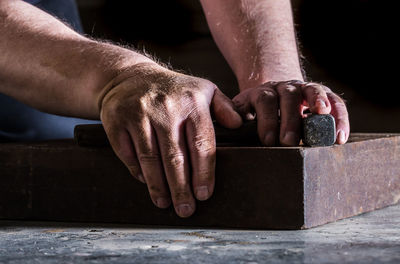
{"x": 32, "y": 2}
{"x": 65, "y": 10}
{"x": 19, "y": 122}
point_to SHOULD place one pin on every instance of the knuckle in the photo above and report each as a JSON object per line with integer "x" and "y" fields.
{"x": 163, "y": 103}
{"x": 189, "y": 96}
{"x": 204, "y": 145}
{"x": 312, "y": 89}
{"x": 314, "y": 94}
{"x": 268, "y": 96}
{"x": 290, "y": 90}
{"x": 160, "y": 98}
{"x": 149, "y": 157}
{"x": 159, "y": 104}
{"x": 175, "y": 159}
{"x": 156, "y": 100}
{"x": 199, "y": 84}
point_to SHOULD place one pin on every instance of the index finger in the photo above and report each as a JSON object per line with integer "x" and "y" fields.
{"x": 316, "y": 97}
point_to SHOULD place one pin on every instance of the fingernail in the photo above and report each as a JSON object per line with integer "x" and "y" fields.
{"x": 320, "y": 103}
{"x": 202, "y": 193}
{"x": 269, "y": 139}
{"x": 184, "y": 210}
{"x": 162, "y": 202}
{"x": 291, "y": 139}
{"x": 141, "y": 178}
{"x": 341, "y": 137}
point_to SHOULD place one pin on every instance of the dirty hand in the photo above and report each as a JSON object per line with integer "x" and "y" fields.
{"x": 286, "y": 101}
{"x": 159, "y": 124}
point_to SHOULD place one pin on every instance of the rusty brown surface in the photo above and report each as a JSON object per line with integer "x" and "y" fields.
{"x": 256, "y": 187}
{"x": 63, "y": 182}
{"x": 351, "y": 179}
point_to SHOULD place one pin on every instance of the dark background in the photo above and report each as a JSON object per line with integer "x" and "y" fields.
{"x": 349, "y": 45}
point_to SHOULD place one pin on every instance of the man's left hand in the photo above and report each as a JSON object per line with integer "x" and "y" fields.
{"x": 279, "y": 106}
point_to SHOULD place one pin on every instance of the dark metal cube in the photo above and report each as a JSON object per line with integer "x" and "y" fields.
{"x": 319, "y": 130}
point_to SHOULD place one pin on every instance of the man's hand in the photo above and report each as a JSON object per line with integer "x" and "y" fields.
{"x": 158, "y": 121}
{"x": 288, "y": 99}
{"x": 257, "y": 39}
{"x": 159, "y": 124}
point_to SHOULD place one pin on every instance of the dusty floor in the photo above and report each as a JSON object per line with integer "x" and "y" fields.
{"x": 370, "y": 238}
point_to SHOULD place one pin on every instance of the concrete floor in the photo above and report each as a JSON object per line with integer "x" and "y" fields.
{"x": 371, "y": 238}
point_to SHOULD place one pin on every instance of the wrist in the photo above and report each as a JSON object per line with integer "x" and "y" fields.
{"x": 111, "y": 66}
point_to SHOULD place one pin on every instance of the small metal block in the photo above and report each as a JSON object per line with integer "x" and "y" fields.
{"x": 319, "y": 130}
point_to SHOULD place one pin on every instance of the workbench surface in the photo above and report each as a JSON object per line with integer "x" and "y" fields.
{"x": 369, "y": 238}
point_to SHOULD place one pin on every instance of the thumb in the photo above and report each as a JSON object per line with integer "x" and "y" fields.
{"x": 224, "y": 111}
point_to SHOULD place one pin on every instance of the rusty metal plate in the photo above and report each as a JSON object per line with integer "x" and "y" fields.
{"x": 256, "y": 187}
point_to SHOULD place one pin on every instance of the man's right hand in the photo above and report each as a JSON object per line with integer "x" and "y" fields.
{"x": 159, "y": 124}
{"x": 158, "y": 121}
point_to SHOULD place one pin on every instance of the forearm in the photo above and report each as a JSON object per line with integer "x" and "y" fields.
{"x": 257, "y": 39}
{"x": 47, "y": 65}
